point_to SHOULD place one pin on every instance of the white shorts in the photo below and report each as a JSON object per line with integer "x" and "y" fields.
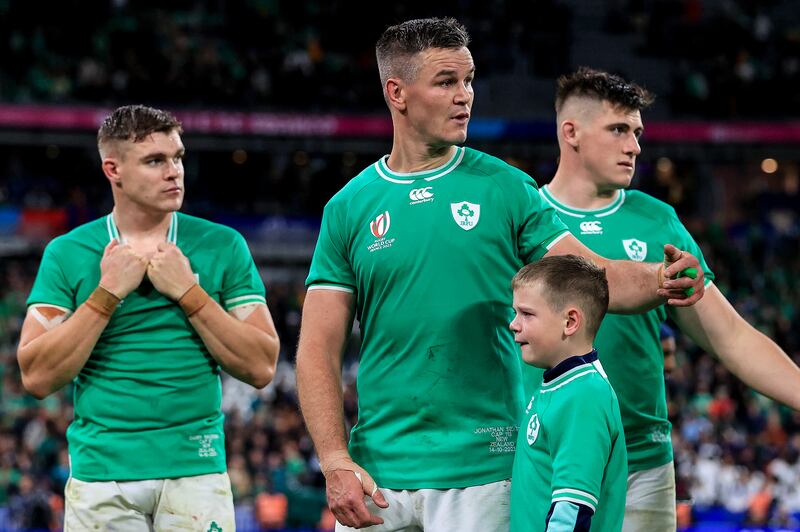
{"x": 474, "y": 509}
{"x": 203, "y": 503}
{"x": 650, "y": 503}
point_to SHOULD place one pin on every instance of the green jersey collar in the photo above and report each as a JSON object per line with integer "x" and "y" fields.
{"x": 568, "y": 364}
{"x": 582, "y": 213}
{"x": 428, "y": 175}
{"x": 113, "y": 232}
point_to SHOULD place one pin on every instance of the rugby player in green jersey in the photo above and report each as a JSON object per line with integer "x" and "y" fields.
{"x": 599, "y": 125}
{"x": 139, "y": 310}
{"x": 570, "y": 469}
{"x": 422, "y": 246}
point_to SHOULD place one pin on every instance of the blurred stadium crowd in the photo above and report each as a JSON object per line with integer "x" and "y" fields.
{"x": 727, "y": 58}
{"x": 737, "y": 453}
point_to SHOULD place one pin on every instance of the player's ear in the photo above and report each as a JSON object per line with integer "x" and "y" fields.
{"x": 573, "y": 320}
{"x": 110, "y": 167}
{"x": 569, "y": 132}
{"x": 395, "y": 94}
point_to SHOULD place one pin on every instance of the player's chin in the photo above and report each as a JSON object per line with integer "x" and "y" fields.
{"x": 178, "y": 199}
{"x": 171, "y": 205}
{"x": 624, "y": 177}
{"x": 457, "y": 135}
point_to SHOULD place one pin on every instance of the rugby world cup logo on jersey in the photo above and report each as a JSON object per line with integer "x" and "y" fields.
{"x": 420, "y": 195}
{"x": 636, "y": 249}
{"x": 466, "y": 214}
{"x": 379, "y": 227}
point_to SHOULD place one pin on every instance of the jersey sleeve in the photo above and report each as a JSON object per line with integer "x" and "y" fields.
{"x": 684, "y": 241}
{"x": 242, "y": 284}
{"x": 566, "y": 516}
{"x": 537, "y": 223}
{"x": 580, "y": 442}
{"x": 52, "y": 286}
{"x": 330, "y": 265}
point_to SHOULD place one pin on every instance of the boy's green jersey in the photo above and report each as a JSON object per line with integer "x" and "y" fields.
{"x": 634, "y": 227}
{"x": 429, "y": 257}
{"x": 571, "y": 463}
{"x": 147, "y": 401}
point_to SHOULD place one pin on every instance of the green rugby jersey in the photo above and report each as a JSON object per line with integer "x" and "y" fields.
{"x": 635, "y": 226}
{"x": 147, "y": 401}
{"x": 430, "y": 256}
{"x": 570, "y": 452}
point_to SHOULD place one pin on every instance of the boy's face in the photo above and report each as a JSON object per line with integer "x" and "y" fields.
{"x": 538, "y": 329}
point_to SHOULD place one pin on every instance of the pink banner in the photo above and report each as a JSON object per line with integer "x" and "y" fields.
{"x": 309, "y": 125}
{"x": 723, "y": 132}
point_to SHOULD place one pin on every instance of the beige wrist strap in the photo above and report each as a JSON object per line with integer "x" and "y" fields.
{"x": 661, "y": 277}
{"x": 103, "y": 302}
{"x": 193, "y": 300}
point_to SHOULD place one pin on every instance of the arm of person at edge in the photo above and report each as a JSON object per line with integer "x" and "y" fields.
{"x": 634, "y": 286}
{"x": 53, "y": 349}
{"x": 243, "y": 342}
{"x": 754, "y": 358}
{"x": 327, "y": 320}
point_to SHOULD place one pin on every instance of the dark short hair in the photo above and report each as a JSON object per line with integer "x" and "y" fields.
{"x": 399, "y": 43}
{"x": 569, "y": 279}
{"x": 134, "y": 123}
{"x": 601, "y": 86}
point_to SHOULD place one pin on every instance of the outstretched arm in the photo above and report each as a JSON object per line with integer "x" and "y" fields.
{"x": 637, "y": 286}
{"x": 716, "y": 327}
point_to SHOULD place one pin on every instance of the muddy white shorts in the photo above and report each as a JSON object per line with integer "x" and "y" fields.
{"x": 474, "y": 509}
{"x": 203, "y": 503}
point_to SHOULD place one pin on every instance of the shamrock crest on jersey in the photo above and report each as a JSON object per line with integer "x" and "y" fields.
{"x": 636, "y": 249}
{"x": 533, "y": 429}
{"x": 466, "y": 214}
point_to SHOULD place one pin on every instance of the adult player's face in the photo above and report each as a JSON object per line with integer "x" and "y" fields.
{"x": 151, "y": 173}
{"x": 537, "y": 327}
{"x": 609, "y": 144}
{"x": 439, "y": 100}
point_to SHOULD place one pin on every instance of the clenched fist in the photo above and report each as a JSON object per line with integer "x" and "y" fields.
{"x": 121, "y": 269}
{"x": 681, "y": 291}
{"x": 170, "y": 272}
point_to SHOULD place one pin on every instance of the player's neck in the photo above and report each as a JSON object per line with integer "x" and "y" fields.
{"x": 410, "y": 155}
{"x": 580, "y": 192}
{"x": 135, "y": 224}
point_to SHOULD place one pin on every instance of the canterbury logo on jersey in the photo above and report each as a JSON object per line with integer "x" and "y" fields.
{"x": 591, "y": 228}
{"x": 420, "y": 195}
{"x": 380, "y": 225}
